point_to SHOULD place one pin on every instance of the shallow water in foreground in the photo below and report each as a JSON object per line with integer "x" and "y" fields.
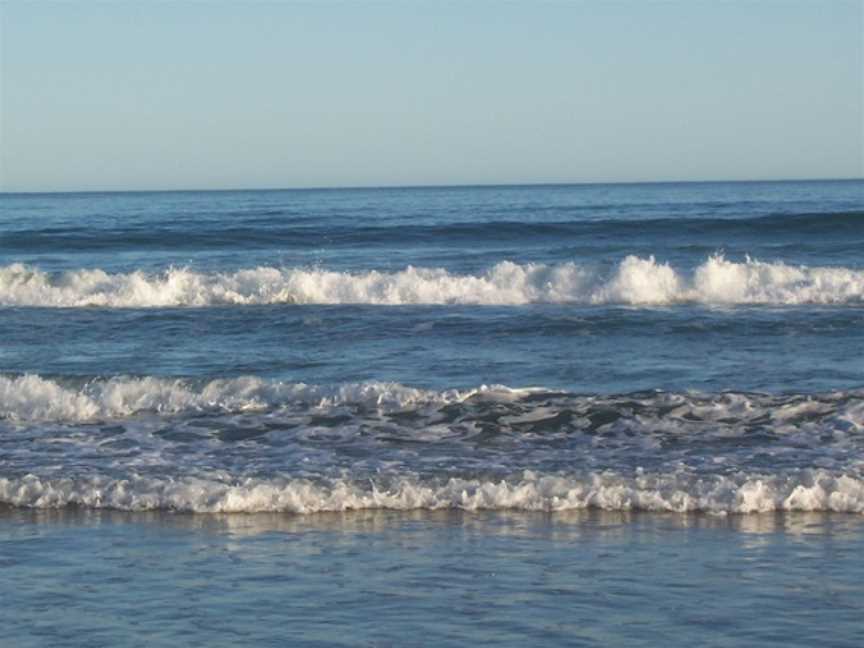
{"x": 380, "y": 578}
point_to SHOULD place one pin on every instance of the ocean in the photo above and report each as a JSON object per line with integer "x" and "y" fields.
{"x": 612, "y": 414}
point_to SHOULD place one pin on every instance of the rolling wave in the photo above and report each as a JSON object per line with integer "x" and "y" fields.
{"x": 30, "y": 397}
{"x": 634, "y": 281}
{"x": 33, "y": 398}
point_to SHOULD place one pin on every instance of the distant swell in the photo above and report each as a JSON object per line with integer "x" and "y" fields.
{"x": 634, "y": 281}
{"x": 799, "y": 490}
{"x": 286, "y": 229}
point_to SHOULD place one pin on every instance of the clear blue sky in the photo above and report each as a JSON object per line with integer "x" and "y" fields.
{"x": 146, "y": 95}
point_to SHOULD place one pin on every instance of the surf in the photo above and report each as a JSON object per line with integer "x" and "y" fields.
{"x": 633, "y": 281}
{"x": 802, "y": 490}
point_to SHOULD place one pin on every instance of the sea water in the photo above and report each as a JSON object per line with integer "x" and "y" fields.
{"x": 596, "y": 414}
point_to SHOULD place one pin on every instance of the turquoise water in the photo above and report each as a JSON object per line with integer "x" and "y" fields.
{"x": 560, "y": 415}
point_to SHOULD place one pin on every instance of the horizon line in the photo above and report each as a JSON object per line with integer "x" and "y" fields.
{"x": 467, "y": 185}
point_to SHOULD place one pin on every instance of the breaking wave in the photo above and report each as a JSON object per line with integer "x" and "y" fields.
{"x": 33, "y": 398}
{"x": 634, "y": 281}
{"x": 801, "y": 490}
{"x": 252, "y": 445}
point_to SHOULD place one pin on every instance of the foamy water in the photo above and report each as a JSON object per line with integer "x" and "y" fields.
{"x": 253, "y": 445}
{"x": 34, "y": 398}
{"x": 682, "y": 348}
{"x": 634, "y": 281}
{"x": 816, "y": 490}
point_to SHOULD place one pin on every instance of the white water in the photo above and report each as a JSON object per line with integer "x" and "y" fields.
{"x": 634, "y": 281}
{"x": 34, "y": 398}
{"x": 31, "y": 397}
{"x": 800, "y": 490}
{"x": 700, "y": 448}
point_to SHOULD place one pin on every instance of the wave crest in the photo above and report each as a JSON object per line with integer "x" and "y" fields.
{"x": 634, "y": 281}
{"x": 33, "y": 398}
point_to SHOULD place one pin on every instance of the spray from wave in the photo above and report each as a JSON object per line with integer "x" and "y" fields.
{"x": 634, "y": 281}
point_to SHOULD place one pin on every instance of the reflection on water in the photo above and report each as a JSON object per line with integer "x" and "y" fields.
{"x": 452, "y": 578}
{"x": 585, "y": 524}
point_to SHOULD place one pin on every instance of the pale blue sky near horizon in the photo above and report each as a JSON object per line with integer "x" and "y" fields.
{"x": 216, "y": 95}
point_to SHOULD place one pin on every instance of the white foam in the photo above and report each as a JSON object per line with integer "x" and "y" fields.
{"x": 34, "y": 398}
{"x": 803, "y": 490}
{"x": 31, "y": 397}
{"x": 634, "y": 281}
{"x": 753, "y": 282}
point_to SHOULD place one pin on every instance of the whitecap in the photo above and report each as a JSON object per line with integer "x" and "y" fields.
{"x": 634, "y": 281}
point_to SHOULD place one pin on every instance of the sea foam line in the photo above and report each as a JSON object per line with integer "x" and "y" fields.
{"x": 634, "y": 281}
{"x": 801, "y": 490}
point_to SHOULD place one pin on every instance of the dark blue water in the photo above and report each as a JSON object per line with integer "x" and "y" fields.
{"x": 554, "y": 415}
{"x": 667, "y": 346}
{"x": 532, "y": 285}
